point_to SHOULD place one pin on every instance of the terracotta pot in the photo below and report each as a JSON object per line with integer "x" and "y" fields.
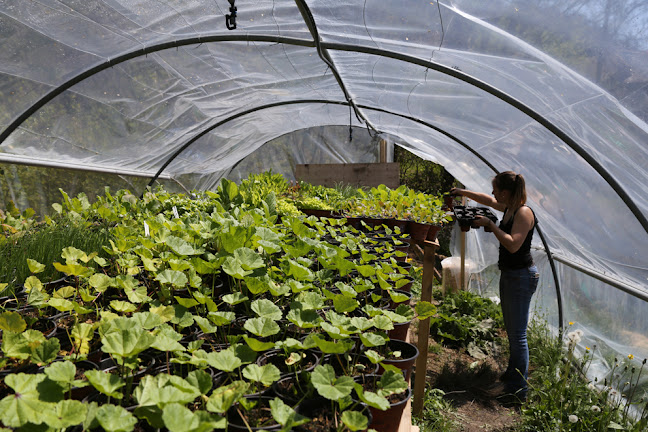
{"x": 418, "y": 231}
{"x": 353, "y": 221}
{"x": 317, "y": 212}
{"x": 433, "y": 232}
{"x": 400, "y": 331}
{"x": 401, "y": 224}
{"x": 390, "y": 419}
{"x": 373, "y": 222}
{"x": 409, "y": 353}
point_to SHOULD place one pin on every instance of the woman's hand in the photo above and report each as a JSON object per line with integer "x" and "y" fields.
{"x": 481, "y": 221}
{"x": 456, "y": 191}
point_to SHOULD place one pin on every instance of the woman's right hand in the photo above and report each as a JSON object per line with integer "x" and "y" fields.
{"x": 456, "y": 191}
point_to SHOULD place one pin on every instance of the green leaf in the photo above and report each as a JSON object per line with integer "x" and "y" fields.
{"x": 234, "y": 268}
{"x": 355, "y": 420}
{"x": 122, "y": 306}
{"x": 304, "y": 318}
{"x": 225, "y": 360}
{"x": 105, "y": 382}
{"x": 221, "y": 318}
{"x": 285, "y": 415}
{"x": 147, "y": 320}
{"x": 163, "y": 389}
{"x": 115, "y": 418}
{"x": 172, "y": 277}
{"x": 257, "y": 345}
{"x": 101, "y": 282}
{"x": 262, "y": 327}
{"x": 235, "y": 298}
{"x": 33, "y": 283}
{"x": 266, "y": 374}
{"x": 392, "y": 382}
{"x": 370, "y": 340}
{"x": 186, "y": 302}
{"x": 82, "y": 334}
{"x": 372, "y": 399}
{"x": 65, "y": 413}
{"x": 35, "y": 266}
{"x": 223, "y": 397}
{"x": 73, "y": 269}
{"x": 34, "y": 394}
{"x": 125, "y": 339}
{"x": 12, "y": 322}
{"x": 248, "y": 258}
{"x": 425, "y": 310}
{"x": 18, "y": 411}
{"x": 177, "y": 418}
{"x": 205, "y": 325}
{"x": 180, "y": 246}
{"x": 64, "y": 292}
{"x": 265, "y": 308}
{"x": 328, "y": 347}
{"x": 46, "y": 352}
{"x": 298, "y": 271}
{"x": 343, "y": 304}
{"x": 61, "y": 371}
{"x": 201, "y": 380}
{"x": 61, "y": 304}
{"x": 328, "y": 386}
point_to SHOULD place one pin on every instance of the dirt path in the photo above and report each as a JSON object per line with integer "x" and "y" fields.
{"x": 460, "y": 376}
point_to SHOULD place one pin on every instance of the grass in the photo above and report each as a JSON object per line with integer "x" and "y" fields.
{"x": 44, "y": 244}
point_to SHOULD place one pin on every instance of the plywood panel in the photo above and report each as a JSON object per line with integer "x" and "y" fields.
{"x": 359, "y": 174}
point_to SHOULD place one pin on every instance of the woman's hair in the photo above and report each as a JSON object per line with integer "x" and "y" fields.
{"x": 514, "y": 183}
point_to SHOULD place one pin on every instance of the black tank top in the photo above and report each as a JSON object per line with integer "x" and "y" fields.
{"x": 522, "y": 258}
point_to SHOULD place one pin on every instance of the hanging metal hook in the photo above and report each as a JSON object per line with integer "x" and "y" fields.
{"x": 230, "y": 19}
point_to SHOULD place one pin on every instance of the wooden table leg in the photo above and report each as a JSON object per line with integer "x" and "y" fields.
{"x": 424, "y": 326}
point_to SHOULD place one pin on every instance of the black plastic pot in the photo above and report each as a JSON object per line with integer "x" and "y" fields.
{"x": 235, "y": 421}
{"x": 321, "y": 412}
{"x": 277, "y": 357}
{"x": 293, "y": 388}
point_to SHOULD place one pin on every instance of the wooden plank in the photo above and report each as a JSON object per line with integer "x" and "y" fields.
{"x": 429, "y": 255}
{"x": 359, "y": 174}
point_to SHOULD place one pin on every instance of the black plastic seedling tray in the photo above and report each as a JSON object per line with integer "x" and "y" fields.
{"x": 466, "y": 215}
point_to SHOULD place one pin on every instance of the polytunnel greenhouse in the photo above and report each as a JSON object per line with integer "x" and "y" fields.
{"x": 140, "y": 93}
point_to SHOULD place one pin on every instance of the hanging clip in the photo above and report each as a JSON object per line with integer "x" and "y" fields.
{"x": 230, "y": 19}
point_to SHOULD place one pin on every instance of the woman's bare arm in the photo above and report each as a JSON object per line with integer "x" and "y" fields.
{"x": 481, "y": 198}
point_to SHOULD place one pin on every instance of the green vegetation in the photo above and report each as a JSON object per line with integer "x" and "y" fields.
{"x": 561, "y": 396}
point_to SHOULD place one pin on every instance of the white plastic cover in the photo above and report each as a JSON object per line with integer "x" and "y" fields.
{"x": 141, "y": 87}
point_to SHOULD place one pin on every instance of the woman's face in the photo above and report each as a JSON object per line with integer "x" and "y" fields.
{"x": 501, "y": 196}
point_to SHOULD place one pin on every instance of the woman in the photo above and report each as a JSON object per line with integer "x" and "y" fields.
{"x": 519, "y": 277}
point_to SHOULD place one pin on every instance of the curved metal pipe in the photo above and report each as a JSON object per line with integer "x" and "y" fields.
{"x": 641, "y": 218}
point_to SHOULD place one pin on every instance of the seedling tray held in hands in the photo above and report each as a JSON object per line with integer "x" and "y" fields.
{"x": 466, "y": 215}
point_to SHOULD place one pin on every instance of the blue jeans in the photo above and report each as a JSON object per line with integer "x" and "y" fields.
{"x": 516, "y": 289}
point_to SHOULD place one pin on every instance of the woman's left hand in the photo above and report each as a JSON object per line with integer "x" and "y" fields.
{"x": 481, "y": 221}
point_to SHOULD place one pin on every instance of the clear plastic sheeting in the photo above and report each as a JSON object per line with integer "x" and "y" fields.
{"x": 145, "y": 89}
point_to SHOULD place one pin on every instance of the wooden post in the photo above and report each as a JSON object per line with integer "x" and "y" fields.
{"x": 383, "y": 151}
{"x": 462, "y": 237}
{"x": 429, "y": 253}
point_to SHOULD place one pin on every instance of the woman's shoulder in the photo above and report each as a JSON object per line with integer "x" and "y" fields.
{"x": 526, "y": 213}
